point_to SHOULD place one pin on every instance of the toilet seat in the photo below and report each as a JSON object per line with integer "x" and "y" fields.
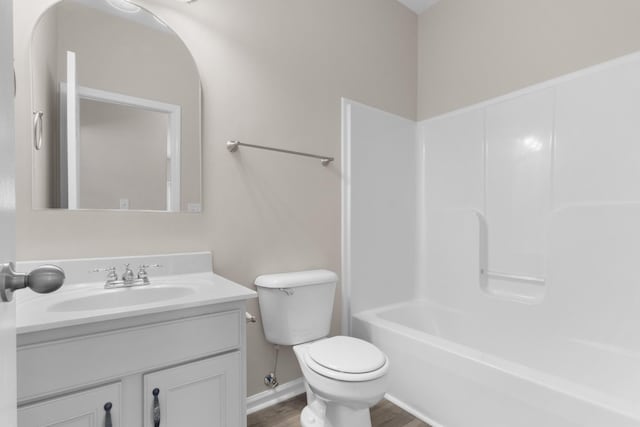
{"x": 346, "y": 359}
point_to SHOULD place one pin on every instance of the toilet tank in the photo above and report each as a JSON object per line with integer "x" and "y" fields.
{"x": 296, "y": 307}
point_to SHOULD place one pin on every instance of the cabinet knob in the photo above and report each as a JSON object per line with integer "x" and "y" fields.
{"x": 156, "y": 408}
{"x": 107, "y": 416}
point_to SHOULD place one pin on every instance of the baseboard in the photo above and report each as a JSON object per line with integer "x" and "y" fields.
{"x": 413, "y": 411}
{"x": 272, "y": 397}
{"x": 294, "y": 388}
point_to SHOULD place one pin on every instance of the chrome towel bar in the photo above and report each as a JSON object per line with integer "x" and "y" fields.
{"x": 232, "y": 146}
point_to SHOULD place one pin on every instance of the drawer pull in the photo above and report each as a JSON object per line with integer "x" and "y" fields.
{"x": 107, "y": 416}
{"x": 156, "y": 408}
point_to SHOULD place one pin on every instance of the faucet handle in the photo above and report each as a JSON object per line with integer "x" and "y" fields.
{"x": 142, "y": 270}
{"x": 112, "y": 276}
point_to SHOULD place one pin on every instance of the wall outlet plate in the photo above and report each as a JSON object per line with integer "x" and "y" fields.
{"x": 194, "y": 207}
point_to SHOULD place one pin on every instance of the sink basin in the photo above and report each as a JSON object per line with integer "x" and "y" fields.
{"x": 122, "y": 297}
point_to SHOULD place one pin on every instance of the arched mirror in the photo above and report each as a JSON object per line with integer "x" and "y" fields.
{"x": 116, "y": 111}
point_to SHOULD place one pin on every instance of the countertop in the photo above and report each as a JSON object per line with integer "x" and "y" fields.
{"x": 36, "y": 313}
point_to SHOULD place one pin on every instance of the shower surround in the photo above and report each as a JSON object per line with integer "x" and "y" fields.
{"x": 509, "y": 294}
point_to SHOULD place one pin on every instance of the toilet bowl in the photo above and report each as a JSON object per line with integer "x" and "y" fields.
{"x": 344, "y": 377}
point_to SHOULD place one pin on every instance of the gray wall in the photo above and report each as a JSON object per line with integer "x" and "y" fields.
{"x": 272, "y": 73}
{"x": 472, "y": 50}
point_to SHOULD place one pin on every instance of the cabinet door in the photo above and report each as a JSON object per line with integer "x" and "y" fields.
{"x": 84, "y": 409}
{"x": 203, "y": 393}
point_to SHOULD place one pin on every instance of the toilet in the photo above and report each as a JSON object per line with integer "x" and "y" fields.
{"x": 344, "y": 376}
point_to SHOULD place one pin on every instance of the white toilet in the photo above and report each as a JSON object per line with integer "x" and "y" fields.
{"x": 344, "y": 376}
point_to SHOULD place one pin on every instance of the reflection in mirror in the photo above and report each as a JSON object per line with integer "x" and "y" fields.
{"x": 106, "y": 127}
{"x": 120, "y": 97}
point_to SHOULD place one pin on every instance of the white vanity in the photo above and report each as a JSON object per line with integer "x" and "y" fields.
{"x": 87, "y": 354}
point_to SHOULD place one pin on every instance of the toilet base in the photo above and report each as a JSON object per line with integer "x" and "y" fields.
{"x": 323, "y": 414}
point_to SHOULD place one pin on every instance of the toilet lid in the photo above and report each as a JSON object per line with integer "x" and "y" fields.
{"x": 347, "y": 354}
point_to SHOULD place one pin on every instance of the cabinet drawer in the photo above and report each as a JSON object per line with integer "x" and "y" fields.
{"x": 83, "y": 409}
{"x": 63, "y": 365}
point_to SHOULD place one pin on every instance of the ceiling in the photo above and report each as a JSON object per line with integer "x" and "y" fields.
{"x": 418, "y": 6}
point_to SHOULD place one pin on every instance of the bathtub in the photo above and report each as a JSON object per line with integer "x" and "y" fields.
{"x": 452, "y": 370}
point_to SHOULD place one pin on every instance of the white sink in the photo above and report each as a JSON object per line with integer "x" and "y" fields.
{"x": 122, "y": 297}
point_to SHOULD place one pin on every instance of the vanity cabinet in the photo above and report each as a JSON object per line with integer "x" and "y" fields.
{"x": 194, "y": 358}
{"x": 82, "y": 409}
{"x": 201, "y": 393}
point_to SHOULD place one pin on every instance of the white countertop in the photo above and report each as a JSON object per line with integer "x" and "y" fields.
{"x": 35, "y": 313}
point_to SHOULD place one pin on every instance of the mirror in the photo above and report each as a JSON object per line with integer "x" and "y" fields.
{"x": 116, "y": 102}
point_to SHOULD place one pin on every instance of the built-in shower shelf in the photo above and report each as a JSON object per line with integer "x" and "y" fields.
{"x": 513, "y": 287}
{"x": 515, "y": 277}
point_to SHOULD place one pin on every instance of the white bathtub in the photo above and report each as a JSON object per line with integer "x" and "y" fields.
{"x": 454, "y": 371}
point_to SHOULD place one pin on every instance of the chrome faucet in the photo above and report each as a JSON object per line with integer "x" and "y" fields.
{"x": 128, "y": 279}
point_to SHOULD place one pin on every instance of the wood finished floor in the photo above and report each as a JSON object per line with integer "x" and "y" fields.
{"x": 287, "y": 414}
